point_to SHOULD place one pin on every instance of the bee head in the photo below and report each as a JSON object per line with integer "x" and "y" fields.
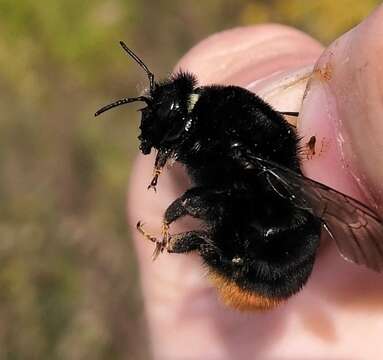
{"x": 166, "y": 120}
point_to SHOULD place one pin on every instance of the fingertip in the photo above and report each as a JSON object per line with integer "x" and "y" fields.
{"x": 343, "y": 107}
{"x": 247, "y": 53}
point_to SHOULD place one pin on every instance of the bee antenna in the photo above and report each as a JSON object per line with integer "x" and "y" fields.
{"x": 141, "y": 63}
{"x": 121, "y": 102}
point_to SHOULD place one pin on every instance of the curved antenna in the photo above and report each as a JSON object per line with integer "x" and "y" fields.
{"x": 141, "y": 63}
{"x": 121, "y": 102}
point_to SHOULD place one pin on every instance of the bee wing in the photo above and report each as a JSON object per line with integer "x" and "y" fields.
{"x": 356, "y": 229}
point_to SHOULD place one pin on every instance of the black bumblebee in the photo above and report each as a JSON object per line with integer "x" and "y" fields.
{"x": 263, "y": 218}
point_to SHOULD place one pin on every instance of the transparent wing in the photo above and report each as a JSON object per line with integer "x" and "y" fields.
{"x": 356, "y": 229}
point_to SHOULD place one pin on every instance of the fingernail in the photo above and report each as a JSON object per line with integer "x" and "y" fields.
{"x": 283, "y": 90}
{"x": 318, "y": 119}
{"x": 345, "y": 94}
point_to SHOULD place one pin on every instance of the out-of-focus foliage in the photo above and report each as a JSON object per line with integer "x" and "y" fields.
{"x": 325, "y": 19}
{"x": 68, "y": 278}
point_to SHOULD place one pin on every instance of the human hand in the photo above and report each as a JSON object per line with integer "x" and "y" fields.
{"x": 339, "y": 314}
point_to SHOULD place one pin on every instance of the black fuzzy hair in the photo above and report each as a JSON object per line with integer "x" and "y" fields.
{"x": 184, "y": 81}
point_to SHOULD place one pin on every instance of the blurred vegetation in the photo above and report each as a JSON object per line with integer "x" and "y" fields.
{"x": 68, "y": 277}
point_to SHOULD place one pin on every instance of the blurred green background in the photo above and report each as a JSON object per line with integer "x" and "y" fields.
{"x": 68, "y": 280}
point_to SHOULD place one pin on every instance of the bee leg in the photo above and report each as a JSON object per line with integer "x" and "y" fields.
{"x": 141, "y": 230}
{"x": 175, "y": 210}
{"x": 186, "y": 241}
{"x": 200, "y": 203}
{"x": 160, "y": 244}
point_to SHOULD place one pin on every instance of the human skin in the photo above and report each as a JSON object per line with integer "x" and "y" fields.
{"x": 339, "y": 313}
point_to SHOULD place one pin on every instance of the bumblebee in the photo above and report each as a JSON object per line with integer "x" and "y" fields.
{"x": 262, "y": 217}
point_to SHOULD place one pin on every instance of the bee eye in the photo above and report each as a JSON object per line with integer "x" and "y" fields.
{"x": 176, "y": 130}
{"x": 163, "y": 112}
